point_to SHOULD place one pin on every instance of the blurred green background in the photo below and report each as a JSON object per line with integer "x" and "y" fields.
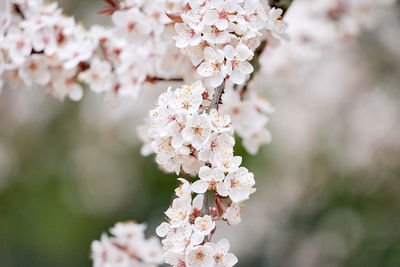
{"x": 328, "y": 187}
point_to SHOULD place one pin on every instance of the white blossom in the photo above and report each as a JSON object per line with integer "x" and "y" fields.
{"x": 210, "y": 179}
{"x": 197, "y": 130}
{"x": 97, "y": 76}
{"x": 223, "y": 258}
{"x": 127, "y": 247}
{"x": 200, "y": 256}
{"x": 240, "y": 184}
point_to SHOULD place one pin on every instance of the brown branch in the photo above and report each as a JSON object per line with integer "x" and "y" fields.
{"x": 159, "y": 79}
{"x": 206, "y": 206}
{"x": 18, "y": 10}
{"x": 216, "y": 100}
{"x": 255, "y": 62}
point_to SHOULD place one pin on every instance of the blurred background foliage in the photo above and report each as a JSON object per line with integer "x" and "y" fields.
{"x": 328, "y": 188}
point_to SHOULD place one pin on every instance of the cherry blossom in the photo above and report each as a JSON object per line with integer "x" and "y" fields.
{"x": 210, "y": 179}
{"x": 240, "y": 184}
{"x": 227, "y": 28}
{"x": 97, "y": 76}
{"x": 222, "y": 257}
{"x": 204, "y": 225}
{"x": 200, "y": 256}
{"x": 213, "y": 66}
{"x": 208, "y": 44}
{"x": 197, "y": 130}
{"x": 238, "y": 66}
{"x": 232, "y": 214}
{"x": 127, "y": 247}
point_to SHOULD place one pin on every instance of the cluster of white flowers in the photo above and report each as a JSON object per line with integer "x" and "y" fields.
{"x": 187, "y": 234}
{"x": 249, "y": 114}
{"x": 184, "y": 136}
{"x": 127, "y": 247}
{"x": 41, "y": 46}
{"x": 220, "y": 37}
{"x": 190, "y": 131}
{"x": 38, "y": 45}
{"x": 189, "y": 136}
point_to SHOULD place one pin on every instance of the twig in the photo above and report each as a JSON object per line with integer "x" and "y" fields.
{"x": 18, "y": 10}
{"x": 159, "y": 79}
{"x": 216, "y": 100}
{"x": 255, "y": 62}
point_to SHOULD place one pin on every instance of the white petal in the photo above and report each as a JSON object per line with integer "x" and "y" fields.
{"x": 198, "y": 202}
{"x": 237, "y": 77}
{"x": 200, "y": 186}
{"x": 246, "y": 68}
{"x": 205, "y": 69}
{"x": 210, "y": 55}
{"x": 187, "y": 133}
{"x": 177, "y": 141}
{"x": 229, "y": 52}
{"x": 217, "y": 79}
{"x": 75, "y": 93}
{"x": 196, "y": 238}
{"x": 243, "y": 52}
{"x": 210, "y": 17}
{"x": 223, "y": 245}
{"x": 222, "y": 190}
{"x": 204, "y": 173}
{"x": 229, "y": 259}
{"x": 163, "y": 229}
{"x": 222, "y": 24}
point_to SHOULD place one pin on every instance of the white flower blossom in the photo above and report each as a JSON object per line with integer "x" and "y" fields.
{"x": 97, "y": 76}
{"x": 127, "y": 247}
{"x": 197, "y": 130}
{"x": 210, "y": 179}
{"x": 223, "y": 258}
{"x": 240, "y": 184}
{"x": 204, "y": 225}
{"x": 232, "y": 214}
{"x": 200, "y": 256}
{"x": 213, "y": 66}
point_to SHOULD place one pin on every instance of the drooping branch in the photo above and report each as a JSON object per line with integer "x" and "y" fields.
{"x": 255, "y": 62}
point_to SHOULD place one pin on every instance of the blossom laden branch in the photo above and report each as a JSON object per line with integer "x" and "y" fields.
{"x": 40, "y": 46}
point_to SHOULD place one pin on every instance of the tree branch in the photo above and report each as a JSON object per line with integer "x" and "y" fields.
{"x": 216, "y": 100}
{"x": 255, "y": 62}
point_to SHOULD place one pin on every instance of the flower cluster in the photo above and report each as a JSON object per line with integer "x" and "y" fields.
{"x": 127, "y": 247}
{"x": 188, "y": 139}
{"x": 41, "y": 46}
{"x": 38, "y": 45}
{"x": 220, "y": 37}
{"x": 249, "y": 116}
{"x": 185, "y": 137}
{"x": 190, "y": 131}
{"x": 185, "y": 234}
{"x": 138, "y": 49}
